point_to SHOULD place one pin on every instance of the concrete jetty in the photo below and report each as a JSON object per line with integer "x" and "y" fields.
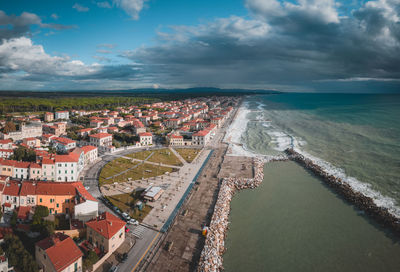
{"x": 362, "y": 202}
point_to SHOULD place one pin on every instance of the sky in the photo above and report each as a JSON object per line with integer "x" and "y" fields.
{"x": 284, "y": 45}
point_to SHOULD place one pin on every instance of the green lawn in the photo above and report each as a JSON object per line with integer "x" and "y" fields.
{"x": 125, "y": 202}
{"x": 142, "y": 171}
{"x": 161, "y": 155}
{"x": 189, "y": 154}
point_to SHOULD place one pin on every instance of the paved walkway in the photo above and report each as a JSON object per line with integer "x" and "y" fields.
{"x": 178, "y": 155}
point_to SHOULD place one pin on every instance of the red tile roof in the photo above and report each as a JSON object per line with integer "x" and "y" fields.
{"x": 64, "y": 141}
{"x": 106, "y": 224}
{"x": 67, "y": 158}
{"x": 23, "y": 212}
{"x": 55, "y": 188}
{"x": 100, "y": 135}
{"x": 11, "y": 189}
{"x": 47, "y": 161}
{"x": 145, "y": 134}
{"x": 27, "y": 188}
{"x": 85, "y": 194}
{"x": 61, "y": 250}
{"x": 88, "y": 148}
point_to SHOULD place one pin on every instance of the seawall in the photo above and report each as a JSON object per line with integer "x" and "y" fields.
{"x": 214, "y": 248}
{"x": 362, "y": 202}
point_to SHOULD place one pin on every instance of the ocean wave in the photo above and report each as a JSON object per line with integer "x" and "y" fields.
{"x": 282, "y": 140}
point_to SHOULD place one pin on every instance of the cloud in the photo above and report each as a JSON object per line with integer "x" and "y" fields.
{"x": 103, "y": 51}
{"x": 54, "y": 16}
{"x": 131, "y": 7}
{"x": 12, "y": 26}
{"x": 305, "y": 43}
{"x": 104, "y": 4}
{"x": 106, "y": 45}
{"x": 80, "y": 8}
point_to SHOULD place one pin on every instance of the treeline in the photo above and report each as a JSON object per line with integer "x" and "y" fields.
{"x": 27, "y": 104}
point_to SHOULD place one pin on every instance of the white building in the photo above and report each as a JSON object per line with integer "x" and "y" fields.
{"x": 101, "y": 139}
{"x": 62, "y": 115}
{"x": 48, "y": 170}
{"x": 91, "y": 153}
{"x": 67, "y": 167}
{"x": 201, "y": 138}
{"x": 146, "y": 138}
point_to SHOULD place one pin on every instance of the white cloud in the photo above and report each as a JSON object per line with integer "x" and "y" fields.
{"x": 131, "y": 7}
{"x": 80, "y": 8}
{"x": 20, "y": 54}
{"x": 54, "y": 16}
{"x": 104, "y": 4}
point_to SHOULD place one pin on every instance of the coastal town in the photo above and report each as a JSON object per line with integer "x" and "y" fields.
{"x": 95, "y": 190}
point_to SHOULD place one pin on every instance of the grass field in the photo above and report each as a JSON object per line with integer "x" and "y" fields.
{"x": 125, "y": 202}
{"x": 141, "y": 171}
{"x": 162, "y": 155}
{"x": 189, "y": 154}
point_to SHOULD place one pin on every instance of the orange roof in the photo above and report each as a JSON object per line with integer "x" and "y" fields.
{"x": 23, "y": 212}
{"x": 64, "y": 141}
{"x": 88, "y": 148}
{"x": 47, "y": 161}
{"x": 100, "y": 135}
{"x": 106, "y": 224}
{"x": 27, "y": 188}
{"x": 201, "y": 133}
{"x": 7, "y": 141}
{"x": 55, "y": 188}
{"x": 82, "y": 191}
{"x": 145, "y": 134}
{"x": 67, "y": 158}
{"x": 61, "y": 249}
{"x": 11, "y": 189}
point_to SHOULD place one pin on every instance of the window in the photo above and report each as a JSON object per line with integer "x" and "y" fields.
{"x": 72, "y": 171}
{"x": 40, "y": 200}
{"x": 65, "y": 165}
{"x": 65, "y": 171}
{"x": 58, "y": 205}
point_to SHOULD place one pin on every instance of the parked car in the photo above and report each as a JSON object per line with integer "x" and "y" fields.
{"x": 133, "y": 222}
{"x": 113, "y": 268}
{"x": 124, "y": 257}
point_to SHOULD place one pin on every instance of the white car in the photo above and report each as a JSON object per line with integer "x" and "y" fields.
{"x": 133, "y": 222}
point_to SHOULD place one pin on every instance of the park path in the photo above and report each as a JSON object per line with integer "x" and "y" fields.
{"x": 178, "y": 155}
{"x": 129, "y": 169}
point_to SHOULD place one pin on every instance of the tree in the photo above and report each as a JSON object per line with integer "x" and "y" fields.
{"x": 13, "y": 220}
{"x": 89, "y": 260}
{"x": 24, "y": 154}
{"x": 17, "y": 255}
{"x": 9, "y": 127}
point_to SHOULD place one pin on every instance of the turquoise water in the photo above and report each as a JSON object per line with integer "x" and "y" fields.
{"x": 293, "y": 222}
{"x": 357, "y": 133}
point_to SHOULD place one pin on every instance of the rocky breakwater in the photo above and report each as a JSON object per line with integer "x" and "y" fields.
{"x": 362, "y": 202}
{"x": 214, "y": 248}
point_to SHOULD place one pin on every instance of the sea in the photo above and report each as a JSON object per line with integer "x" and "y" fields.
{"x": 293, "y": 222}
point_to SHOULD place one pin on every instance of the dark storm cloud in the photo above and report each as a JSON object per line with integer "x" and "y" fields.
{"x": 307, "y": 43}
{"x": 13, "y": 26}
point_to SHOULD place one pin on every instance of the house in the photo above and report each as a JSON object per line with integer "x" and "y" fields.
{"x": 6, "y": 153}
{"x": 152, "y": 193}
{"x": 91, "y": 153}
{"x": 146, "y": 138}
{"x": 106, "y": 232}
{"x": 48, "y": 117}
{"x": 58, "y": 253}
{"x": 33, "y": 130}
{"x": 27, "y": 194}
{"x": 175, "y": 140}
{"x": 63, "y": 144}
{"x": 67, "y": 167}
{"x": 10, "y": 197}
{"x": 101, "y": 139}
{"x": 62, "y": 115}
{"x": 201, "y": 138}
{"x": 31, "y": 142}
{"x": 84, "y": 132}
{"x": 48, "y": 169}
{"x": 35, "y": 171}
{"x": 6, "y": 144}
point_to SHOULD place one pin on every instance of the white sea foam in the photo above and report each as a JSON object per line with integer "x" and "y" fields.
{"x": 282, "y": 140}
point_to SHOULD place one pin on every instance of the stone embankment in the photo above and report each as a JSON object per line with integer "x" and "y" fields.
{"x": 214, "y": 248}
{"x": 362, "y": 202}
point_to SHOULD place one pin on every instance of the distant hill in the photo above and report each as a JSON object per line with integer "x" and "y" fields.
{"x": 147, "y": 92}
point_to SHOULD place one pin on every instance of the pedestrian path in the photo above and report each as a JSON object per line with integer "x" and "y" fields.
{"x": 178, "y": 155}
{"x": 138, "y": 231}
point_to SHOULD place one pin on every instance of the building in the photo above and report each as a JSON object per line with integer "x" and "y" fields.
{"x": 33, "y": 130}
{"x": 48, "y": 117}
{"x": 91, "y": 153}
{"x": 106, "y": 232}
{"x": 48, "y": 170}
{"x": 201, "y": 138}
{"x": 67, "y": 167}
{"x": 31, "y": 142}
{"x": 175, "y": 140}
{"x": 62, "y": 115}
{"x": 63, "y": 144}
{"x": 6, "y": 144}
{"x": 58, "y": 253}
{"x": 146, "y": 138}
{"x": 152, "y": 193}
{"x": 101, "y": 139}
